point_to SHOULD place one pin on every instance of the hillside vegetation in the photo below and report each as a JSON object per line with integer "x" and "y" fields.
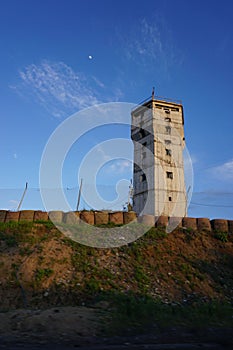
{"x": 42, "y": 268}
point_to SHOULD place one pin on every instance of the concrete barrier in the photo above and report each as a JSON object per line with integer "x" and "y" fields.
{"x": 219, "y": 225}
{"x": 148, "y": 220}
{"x": 101, "y": 218}
{"x": 162, "y": 221}
{"x": 129, "y": 216}
{"x": 41, "y": 215}
{"x": 230, "y": 226}
{"x": 87, "y": 216}
{"x": 116, "y": 218}
{"x": 175, "y": 222}
{"x": 12, "y": 216}
{"x": 71, "y": 218}
{"x": 56, "y": 216}
{"x": 2, "y": 215}
{"x": 190, "y": 223}
{"x": 203, "y": 224}
{"x": 26, "y": 215}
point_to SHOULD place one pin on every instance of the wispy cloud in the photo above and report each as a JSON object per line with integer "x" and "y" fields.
{"x": 13, "y": 204}
{"x": 58, "y": 88}
{"x": 98, "y": 82}
{"x": 224, "y": 171}
{"x": 146, "y": 42}
{"x": 150, "y": 43}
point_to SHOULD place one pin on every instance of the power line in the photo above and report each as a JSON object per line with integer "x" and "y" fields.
{"x": 212, "y": 205}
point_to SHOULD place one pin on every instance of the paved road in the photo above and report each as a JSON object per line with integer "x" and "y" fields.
{"x": 171, "y": 339}
{"x": 123, "y": 346}
{"x": 196, "y": 346}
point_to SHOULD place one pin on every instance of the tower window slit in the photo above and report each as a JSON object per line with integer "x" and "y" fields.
{"x": 142, "y": 178}
{"x": 169, "y": 175}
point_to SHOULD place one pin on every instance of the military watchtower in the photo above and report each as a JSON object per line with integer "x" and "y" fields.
{"x": 157, "y": 132}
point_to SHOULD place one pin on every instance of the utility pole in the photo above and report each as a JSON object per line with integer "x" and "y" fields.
{"x": 24, "y": 192}
{"x": 79, "y": 194}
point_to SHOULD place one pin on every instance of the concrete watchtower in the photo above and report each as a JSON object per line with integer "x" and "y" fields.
{"x": 157, "y": 132}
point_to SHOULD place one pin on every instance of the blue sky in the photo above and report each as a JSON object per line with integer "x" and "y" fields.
{"x": 58, "y": 57}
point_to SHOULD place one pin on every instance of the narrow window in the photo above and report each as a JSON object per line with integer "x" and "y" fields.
{"x": 168, "y": 152}
{"x": 142, "y": 178}
{"x": 168, "y": 129}
{"x": 167, "y": 119}
{"x": 167, "y": 142}
{"x": 170, "y": 199}
{"x": 167, "y": 111}
{"x": 142, "y": 133}
{"x": 169, "y": 175}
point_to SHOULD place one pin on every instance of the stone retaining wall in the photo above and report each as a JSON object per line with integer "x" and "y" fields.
{"x": 118, "y": 218}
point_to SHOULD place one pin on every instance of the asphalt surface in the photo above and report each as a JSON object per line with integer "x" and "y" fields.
{"x": 184, "y": 346}
{"x": 170, "y": 339}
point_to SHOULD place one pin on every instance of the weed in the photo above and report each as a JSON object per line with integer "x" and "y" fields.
{"x": 40, "y": 274}
{"x": 92, "y": 285}
{"x": 221, "y": 236}
{"x": 133, "y": 311}
{"x": 189, "y": 236}
{"x": 9, "y": 239}
{"x": 40, "y": 259}
{"x": 25, "y": 251}
{"x": 48, "y": 224}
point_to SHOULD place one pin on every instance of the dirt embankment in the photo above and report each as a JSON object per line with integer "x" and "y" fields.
{"x": 51, "y": 285}
{"x": 41, "y": 266}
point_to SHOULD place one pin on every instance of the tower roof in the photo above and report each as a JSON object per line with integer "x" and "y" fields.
{"x": 160, "y": 99}
{"x": 151, "y": 102}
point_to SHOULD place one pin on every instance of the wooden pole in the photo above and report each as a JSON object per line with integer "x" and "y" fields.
{"x": 79, "y": 194}
{"x": 24, "y": 192}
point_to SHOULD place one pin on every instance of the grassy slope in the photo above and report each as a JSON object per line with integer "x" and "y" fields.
{"x": 40, "y": 267}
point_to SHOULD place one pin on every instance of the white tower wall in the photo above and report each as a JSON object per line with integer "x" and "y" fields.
{"x": 158, "y": 135}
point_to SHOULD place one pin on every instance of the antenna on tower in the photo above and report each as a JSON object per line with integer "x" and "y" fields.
{"x": 153, "y": 92}
{"x": 130, "y": 196}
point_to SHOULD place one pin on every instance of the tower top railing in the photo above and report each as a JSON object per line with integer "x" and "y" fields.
{"x": 158, "y": 98}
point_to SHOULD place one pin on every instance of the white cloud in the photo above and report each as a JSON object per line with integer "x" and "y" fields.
{"x": 224, "y": 171}
{"x": 120, "y": 166}
{"x": 58, "y": 88}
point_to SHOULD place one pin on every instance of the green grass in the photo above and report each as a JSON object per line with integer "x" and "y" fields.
{"x": 41, "y": 274}
{"x": 221, "y": 236}
{"x": 141, "y": 312}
